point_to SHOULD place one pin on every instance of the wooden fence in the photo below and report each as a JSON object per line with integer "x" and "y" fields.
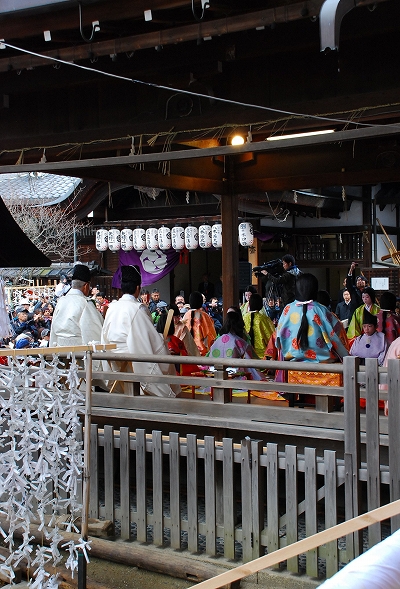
{"x": 251, "y": 491}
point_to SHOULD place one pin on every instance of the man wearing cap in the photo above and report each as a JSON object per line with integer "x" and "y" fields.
{"x": 129, "y": 326}
{"x": 76, "y": 320}
{"x": 26, "y": 304}
{"x": 21, "y": 323}
{"x": 161, "y": 308}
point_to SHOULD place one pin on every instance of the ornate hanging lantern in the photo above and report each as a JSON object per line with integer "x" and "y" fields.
{"x": 152, "y": 239}
{"x": 246, "y": 234}
{"x": 216, "y": 236}
{"x": 191, "y": 238}
{"x": 164, "y": 238}
{"x": 139, "y": 239}
{"x": 114, "y": 240}
{"x": 205, "y": 236}
{"x": 127, "y": 239}
{"x": 101, "y": 240}
{"x": 178, "y": 238}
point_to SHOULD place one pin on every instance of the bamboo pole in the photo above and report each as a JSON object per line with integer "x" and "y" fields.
{"x": 390, "y": 246}
{"x": 314, "y": 541}
{"x": 56, "y": 350}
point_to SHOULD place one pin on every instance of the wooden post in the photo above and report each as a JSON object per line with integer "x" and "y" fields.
{"x": 257, "y": 496}
{"x": 352, "y": 444}
{"x": 230, "y": 245}
{"x": 394, "y": 437}
{"x": 221, "y": 395}
{"x": 372, "y": 444}
{"x": 247, "y": 504}
{"x": 86, "y": 471}
{"x": 124, "y": 467}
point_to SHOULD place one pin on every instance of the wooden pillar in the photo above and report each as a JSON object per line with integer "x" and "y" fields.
{"x": 367, "y": 223}
{"x": 254, "y": 259}
{"x": 230, "y": 245}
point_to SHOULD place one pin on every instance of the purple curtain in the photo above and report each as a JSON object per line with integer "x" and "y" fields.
{"x": 153, "y": 265}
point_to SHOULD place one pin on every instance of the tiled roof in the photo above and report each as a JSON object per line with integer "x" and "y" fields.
{"x": 45, "y": 188}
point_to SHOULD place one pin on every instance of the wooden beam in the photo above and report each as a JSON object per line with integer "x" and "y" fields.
{"x": 213, "y": 28}
{"x": 329, "y": 178}
{"x": 171, "y": 181}
{"x": 262, "y": 146}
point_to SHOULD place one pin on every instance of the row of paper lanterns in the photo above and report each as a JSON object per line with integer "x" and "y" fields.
{"x": 177, "y": 238}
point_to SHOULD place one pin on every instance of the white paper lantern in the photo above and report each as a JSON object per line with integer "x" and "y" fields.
{"x": 164, "y": 238}
{"x": 205, "y": 236}
{"x": 216, "y": 236}
{"x": 114, "y": 240}
{"x": 152, "y": 239}
{"x": 178, "y": 238}
{"x": 246, "y": 234}
{"x": 127, "y": 240}
{"x": 139, "y": 239}
{"x": 191, "y": 237}
{"x": 101, "y": 240}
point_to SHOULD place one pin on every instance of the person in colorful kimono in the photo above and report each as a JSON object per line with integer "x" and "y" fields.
{"x": 369, "y": 304}
{"x": 371, "y": 343}
{"x": 307, "y": 331}
{"x": 388, "y": 321}
{"x": 200, "y": 324}
{"x": 258, "y": 325}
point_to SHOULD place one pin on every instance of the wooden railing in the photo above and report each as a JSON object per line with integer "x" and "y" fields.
{"x": 257, "y": 472}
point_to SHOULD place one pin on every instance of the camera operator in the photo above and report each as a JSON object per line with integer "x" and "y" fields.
{"x": 287, "y": 281}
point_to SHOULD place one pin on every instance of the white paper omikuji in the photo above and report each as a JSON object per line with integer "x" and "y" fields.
{"x": 41, "y": 461}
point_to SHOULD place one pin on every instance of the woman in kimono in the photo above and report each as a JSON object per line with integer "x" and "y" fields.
{"x": 388, "y": 321}
{"x": 371, "y": 343}
{"x": 258, "y": 325}
{"x": 231, "y": 343}
{"x": 308, "y": 332}
{"x": 200, "y": 324}
{"x": 356, "y": 323}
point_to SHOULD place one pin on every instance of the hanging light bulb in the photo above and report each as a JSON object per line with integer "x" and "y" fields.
{"x": 205, "y": 236}
{"x": 191, "y": 237}
{"x": 237, "y": 140}
{"x": 152, "y": 239}
{"x": 114, "y": 240}
{"x": 101, "y": 240}
{"x": 164, "y": 238}
{"x": 178, "y": 238}
{"x": 139, "y": 239}
{"x": 127, "y": 239}
{"x": 246, "y": 234}
{"x": 216, "y": 236}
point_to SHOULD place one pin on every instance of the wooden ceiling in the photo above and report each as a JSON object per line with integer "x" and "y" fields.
{"x": 261, "y": 57}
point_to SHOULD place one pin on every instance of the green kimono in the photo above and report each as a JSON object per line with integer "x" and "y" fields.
{"x": 356, "y": 323}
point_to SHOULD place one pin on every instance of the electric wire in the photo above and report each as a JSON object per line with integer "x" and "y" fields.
{"x": 196, "y": 94}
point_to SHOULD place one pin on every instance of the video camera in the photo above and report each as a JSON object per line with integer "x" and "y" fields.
{"x": 274, "y": 267}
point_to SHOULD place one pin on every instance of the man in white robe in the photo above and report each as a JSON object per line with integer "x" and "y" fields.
{"x": 76, "y": 321}
{"x": 128, "y": 325}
